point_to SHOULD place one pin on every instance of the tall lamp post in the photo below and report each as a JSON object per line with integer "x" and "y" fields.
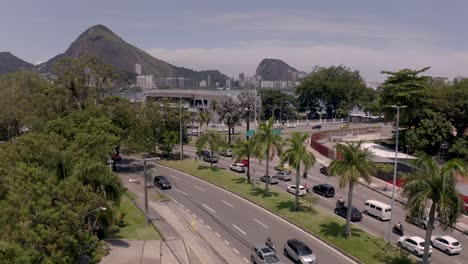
{"x": 395, "y": 168}
{"x": 145, "y": 176}
{"x": 180, "y": 130}
{"x": 247, "y": 109}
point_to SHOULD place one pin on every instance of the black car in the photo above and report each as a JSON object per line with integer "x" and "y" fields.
{"x": 162, "y": 182}
{"x": 317, "y": 127}
{"x": 356, "y": 215}
{"x": 324, "y": 170}
{"x": 325, "y": 190}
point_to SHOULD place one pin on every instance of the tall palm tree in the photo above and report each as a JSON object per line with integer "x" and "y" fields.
{"x": 297, "y": 154}
{"x": 204, "y": 119}
{"x": 434, "y": 186}
{"x": 355, "y": 164}
{"x": 243, "y": 149}
{"x": 214, "y": 140}
{"x": 270, "y": 143}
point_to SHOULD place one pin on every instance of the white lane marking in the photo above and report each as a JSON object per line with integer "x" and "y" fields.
{"x": 265, "y": 211}
{"x": 182, "y": 192}
{"x": 217, "y": 234}
{"x": 260, "y": 223}
{"x": 227, "y": 203}
{"x": 175, "y": 201}
{"x": 194, "y": 215}
{"x": 188, "y": 211}
{"x": 246, "y": 260}
{"x": 209, "y": 227}
{"x": 201, "y": 221}
{"x": 227, "y": 243}
{"x": 199, "y": 188}
{"x": 457, "y": 261}
{"x": 207, "y": 207}
{"x": 177, "y": 178}
{"x": 181, "y": 205}
{"x": 242, "y": 231}
{"x": 235, "y": 250}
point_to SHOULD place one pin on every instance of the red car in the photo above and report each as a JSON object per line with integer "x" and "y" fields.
{"x": 245, "y": 162}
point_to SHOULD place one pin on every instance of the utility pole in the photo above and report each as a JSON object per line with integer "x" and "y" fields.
{"x": 145, "y": 176}
{"x": 180, "y": 129}
{"x": 247, "y": 136}
{"x": 394, "y": 169}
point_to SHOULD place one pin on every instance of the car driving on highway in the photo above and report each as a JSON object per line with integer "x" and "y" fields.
{"x": 292, "y": 189}
{"x": 299, "y": 252}
{"x": 162, "y": 182}
{"x": 447, "y": 244}
{"x": 264, "y": 254}
{"x": 356, "y": 215}
{"x": 283, "y": 175}
{"x": 271, "y": 179}
{"x": 326, "y": 190}
{"x": 413, "y": 244}
{"x": 237, "y": 167}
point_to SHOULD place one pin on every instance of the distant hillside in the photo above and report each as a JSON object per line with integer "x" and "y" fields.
{"x": 276, "y": 70}
{"x": 10, "y": 63}
{"x": 105, "y": 44}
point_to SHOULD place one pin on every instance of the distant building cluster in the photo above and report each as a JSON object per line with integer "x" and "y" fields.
{"x": 149, "y": 82}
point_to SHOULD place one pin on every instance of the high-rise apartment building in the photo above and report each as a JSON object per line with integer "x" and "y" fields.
{"x": 138, "y": 69}
{"x": 241, "y": 76}
{"x": 145, "y": 81}
{"x": 208, "y": 83}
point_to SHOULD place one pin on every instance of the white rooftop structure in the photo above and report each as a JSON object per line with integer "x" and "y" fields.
{"x": 384, "y": 152}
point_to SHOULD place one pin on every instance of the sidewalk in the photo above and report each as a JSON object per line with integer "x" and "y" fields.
{"x": 385, "y": 188}
{"x": 138, "y": 251}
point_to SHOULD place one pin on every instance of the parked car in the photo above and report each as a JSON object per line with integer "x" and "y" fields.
{"x": 264, "y": 254}
{"x": 344, "y": 126}
{"x": 447, "y": 244}
{"x": 356, "y": 215}
{"x": 381, "y": 211}
{"x": 326, "y": 190}
{"x": 245, "y": 162}
{"x": 316, "y": 126}
{"x": 291, "y": 125}
{"x": 223, "y": 129}
{"x": 421, "y": 222}
{"x": 210, "y": 159}
{"x": 324, "y": 170}
{"x": 292, "y": 189}
{"x": 283, "y": 175}
{"x": 413, "y": 244}
{"x": 299, "y": 252}
{"x": 237, "y": 167}
{"x": 226, "y": 152}
{"x": 162, "y": 183}
{"x": 271, "y": 179}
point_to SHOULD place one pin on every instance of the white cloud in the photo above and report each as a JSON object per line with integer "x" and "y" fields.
{"x": 369, "y": 61}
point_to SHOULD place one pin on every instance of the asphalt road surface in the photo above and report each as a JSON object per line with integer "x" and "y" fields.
{"x": 360, "y": 195}
{"x": 240, "y": 223}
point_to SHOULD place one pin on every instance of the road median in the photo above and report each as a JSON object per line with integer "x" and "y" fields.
{"x": 362, "y": 247}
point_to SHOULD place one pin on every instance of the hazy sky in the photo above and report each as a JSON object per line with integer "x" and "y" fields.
{"x": 233, "y": 36}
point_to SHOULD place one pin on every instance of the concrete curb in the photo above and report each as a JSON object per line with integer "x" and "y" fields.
{"x": 280, "y": 216}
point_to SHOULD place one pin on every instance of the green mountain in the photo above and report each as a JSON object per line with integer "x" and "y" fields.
{"x": 10, "y": 63}
{"x": 105, "y": 44}
{"x": 276, "y": 70}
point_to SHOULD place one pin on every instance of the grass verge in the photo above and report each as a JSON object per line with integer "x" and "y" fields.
{"x": 361, "y": 245}
{"x": 133, "y": 225}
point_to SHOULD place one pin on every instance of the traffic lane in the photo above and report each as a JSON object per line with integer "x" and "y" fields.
{"x": 282, "y": 230}
{"x": 183, "y": 197}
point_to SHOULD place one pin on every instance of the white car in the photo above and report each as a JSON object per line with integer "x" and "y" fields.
{"x": 292, "y": 189}
{"x": 223, "y": 130}
{"x": 414, "y": 244}
{"x": 237, "y": 167}
{"x": 291, "y": 125}
{"x": 447, "y": 244}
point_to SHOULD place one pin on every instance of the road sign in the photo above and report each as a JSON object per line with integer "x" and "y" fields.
{"x": 250, "y": 133}
{"x": 276, "y": 131}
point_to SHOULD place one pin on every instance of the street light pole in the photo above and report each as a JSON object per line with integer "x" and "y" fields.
{"x": 180, "y": 129}
{"x": 247, "y": 136}
{"x": 394, "y": 169}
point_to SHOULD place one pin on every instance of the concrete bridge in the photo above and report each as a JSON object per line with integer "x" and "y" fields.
{"x": 196, "y": 98}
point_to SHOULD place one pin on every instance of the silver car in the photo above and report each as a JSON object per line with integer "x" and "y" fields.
{"x": 270, "y": 179}
{"x": 263, "y": 254}
{"x": 299, "y": 252}
{"x": 283, "y": 175}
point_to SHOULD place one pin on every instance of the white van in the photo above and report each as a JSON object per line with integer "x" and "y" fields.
{"x": 377, "y": 209}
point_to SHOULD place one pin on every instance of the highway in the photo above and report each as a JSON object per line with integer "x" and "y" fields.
{"x": 238, "y": 222}
{"x": 360, "y": 194}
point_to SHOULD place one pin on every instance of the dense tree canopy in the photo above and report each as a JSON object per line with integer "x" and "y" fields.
{"x": 277, "y": 104}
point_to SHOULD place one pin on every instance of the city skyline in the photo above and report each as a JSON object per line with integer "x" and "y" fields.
{"x": 234, "y": 36}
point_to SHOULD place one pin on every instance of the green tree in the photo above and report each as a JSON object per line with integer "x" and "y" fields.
{"x": 297, "y": 154}
{"x": 230, "y": 113}
{"x": 336, "y": 88}
{"x": 460, "y": 148}
{"x": 433, "y": 186}
{"x": 355, "y": 164}
{"x": 243, "y": 149}
{"x": 270, "y": 143}
{"x": 204, "y": 118}
{"x": 213, "y": 140}
{"x": 169, "y": 140}
{"x": 277, "y": 104}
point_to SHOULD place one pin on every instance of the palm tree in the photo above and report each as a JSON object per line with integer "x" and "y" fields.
{"x": 434, "y": 185}
{"x": 297, "y": 154}
{"x": 243, "y": 149}
{"x": 213, "y": 140}
{"x": 355, "y": 164}
{"x": 270, "y": 142}
{"x": 204, "y": 119}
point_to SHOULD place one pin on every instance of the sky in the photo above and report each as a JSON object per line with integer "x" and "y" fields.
{"x": 234, "y": 36}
